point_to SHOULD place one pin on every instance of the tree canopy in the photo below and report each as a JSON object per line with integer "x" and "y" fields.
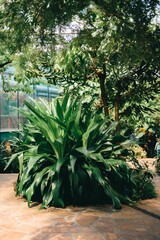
{"x": 117, "y": 46}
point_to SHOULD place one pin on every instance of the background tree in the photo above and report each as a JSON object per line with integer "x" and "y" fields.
{"x": 118, "y": 45}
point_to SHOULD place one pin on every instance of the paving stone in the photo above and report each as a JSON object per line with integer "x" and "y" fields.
{"x": 104, "y": 225}
{"x": 112, "y": 236}
{"x": 12, "y": 235}
{"x": 135, "y": 237}
{"x": 85, "y": 220}
{"x": 60, "y": 237}
{"x": 87, "y": 236}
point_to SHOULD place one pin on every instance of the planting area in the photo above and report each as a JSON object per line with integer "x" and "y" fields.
{"x": 100, "y": 222}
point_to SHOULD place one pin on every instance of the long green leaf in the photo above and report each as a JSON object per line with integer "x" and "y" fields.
{"x": 13, "y": 157}
{"x": 37, "y": 180}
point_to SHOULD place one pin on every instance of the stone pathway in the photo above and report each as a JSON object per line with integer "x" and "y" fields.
{"x": 18, "y": 222}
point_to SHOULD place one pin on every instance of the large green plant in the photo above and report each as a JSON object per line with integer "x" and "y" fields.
{"x": 68, "y": 155}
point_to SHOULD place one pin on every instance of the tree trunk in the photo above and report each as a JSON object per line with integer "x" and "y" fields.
{"x": 101, "y": 73}
{"x": 104, "y": 98}
{"x": 116, "y": 110}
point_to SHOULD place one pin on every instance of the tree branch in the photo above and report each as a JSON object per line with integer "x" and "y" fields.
{"x": 4, "y": 64}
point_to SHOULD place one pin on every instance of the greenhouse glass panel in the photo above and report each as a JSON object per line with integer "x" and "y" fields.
{"x": 10, "y": 102}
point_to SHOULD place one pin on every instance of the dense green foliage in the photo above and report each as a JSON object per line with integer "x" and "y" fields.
{"x": 144, "y": 186}
{"x": 157, "y": 165}
{"x": 68, "y": 155}
{"x": 116, "y": 45}
{"x": 5, "y": 154}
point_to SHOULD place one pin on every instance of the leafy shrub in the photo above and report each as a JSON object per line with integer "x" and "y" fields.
{"x": 69, "y": 155}
{"x": 139, "y": 152}
{"x": 144, "y": 186}
{"x": 157, "y": 165}
{"x": 5, "y": 153}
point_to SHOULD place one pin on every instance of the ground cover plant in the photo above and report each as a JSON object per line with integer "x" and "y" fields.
{"x": 70, "y": 155}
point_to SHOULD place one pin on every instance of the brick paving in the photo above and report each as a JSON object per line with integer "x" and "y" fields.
{"x": 18, "y": 222}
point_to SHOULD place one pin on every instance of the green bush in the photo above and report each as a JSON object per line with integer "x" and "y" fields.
{"x": 144, "y": 186}
{"x": 69, "y": 155}
{"x": 4, "y": 158}
{"x": 157, "y": 165}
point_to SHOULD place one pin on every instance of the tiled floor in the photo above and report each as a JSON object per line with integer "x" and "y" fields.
{"x": 18, "y": 222}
